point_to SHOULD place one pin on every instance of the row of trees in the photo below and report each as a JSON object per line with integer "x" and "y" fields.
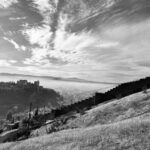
{"x": 118, "y": 92}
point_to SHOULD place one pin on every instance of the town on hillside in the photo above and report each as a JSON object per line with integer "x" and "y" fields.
{"x": 20, "y": 84}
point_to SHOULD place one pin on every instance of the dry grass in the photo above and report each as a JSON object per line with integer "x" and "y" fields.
{"x": 119, "y": 125}
{"x": 117, "y": 110}
{"x": 131, "y": 134}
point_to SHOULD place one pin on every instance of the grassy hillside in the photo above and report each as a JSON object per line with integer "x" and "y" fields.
{"x": 115, "y": 110}
{"x": 130, "y": 134}
{"x": 117, "y": 125}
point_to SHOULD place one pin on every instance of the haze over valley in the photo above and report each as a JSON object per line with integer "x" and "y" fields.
{"x": 70, "y": 90}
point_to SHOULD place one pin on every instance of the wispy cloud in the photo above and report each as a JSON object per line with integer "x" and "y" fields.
{"x": 12, "y": 42}
{"x": 17, "y": 47}
{"x": 17, "y": 18}
{"x": 4, "y": 63}
{"x": 38, "y": 35}
{"x": 46, "y": 8}
{"x": 7, "y": 63}
{"x": 39, "y": 57}
{"x": 103, "y": 40}
{"x": 6, "y": 3}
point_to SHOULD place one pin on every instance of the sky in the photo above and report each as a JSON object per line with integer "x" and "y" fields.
{"x": 99, "y": 40}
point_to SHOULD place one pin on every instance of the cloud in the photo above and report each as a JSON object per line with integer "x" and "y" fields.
{"x": 63, "y": 45}
{"x": 7, "y": 3}
{"x": 57, "y": 72}
{"x": 133, "y": 48}
{"x": 84, "y": 47}
{"x": 12, "y": 61}
{"x": 107, "y": 44}
{"x": 42, "y": 5}
{"x": 12, "y": 42}
{"x": 17, "y": 18}
{"x": 17, "y": 47}
{"x": 46, "y": 9}
{"x": 68, "y": 46}
{"x": 103, "y": 40}
{"x": 133, "y": 39}
{"x": 38, "y": 35}
{"x": 6, "y": 63}
{"x": 38, "y": 57}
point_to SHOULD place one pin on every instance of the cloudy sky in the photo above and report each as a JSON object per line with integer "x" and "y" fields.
{"x": 101, "y": 40}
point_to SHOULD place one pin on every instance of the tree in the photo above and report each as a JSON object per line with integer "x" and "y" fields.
{"x": 9, "y": 116}
{"x": 18, "y": 118}
{"x": 36, "y": 112}
{"x": 25, "y": 122}
{"x": 144, "y": 88}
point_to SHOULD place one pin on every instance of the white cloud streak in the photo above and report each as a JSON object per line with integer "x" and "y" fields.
{"x": 7, "y": 3}
{"x": 17, "y": 18}
{"x": 39, "y": 57}
{"x": 7, "y": 63}
{"x": 17, "y": 46}
{"x": 12, "y": 42}
{"x": 39, "y": 35}
{"x": 46, "y": 8}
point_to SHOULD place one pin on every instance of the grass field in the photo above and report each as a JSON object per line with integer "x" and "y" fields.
{"x": 118, "y": 125}
{"x": 116, "y": 110}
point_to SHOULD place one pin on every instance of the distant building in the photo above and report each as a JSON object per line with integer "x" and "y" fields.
{"x": 25, "y": 83}
{"x": 37, "y": 83}
{"x": 22, "y": 82}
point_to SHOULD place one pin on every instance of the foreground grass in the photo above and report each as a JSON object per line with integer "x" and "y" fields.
{"x": 118, "y": 125}
{"x": 131, "y": 134}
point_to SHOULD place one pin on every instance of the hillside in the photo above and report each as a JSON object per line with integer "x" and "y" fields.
{"x": 113, "y": 111}
{"x": 115, "y": 125}
{"x": 16, "y": 97}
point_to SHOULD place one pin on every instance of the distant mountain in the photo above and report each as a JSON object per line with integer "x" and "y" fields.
{"x": 57, "y": 78}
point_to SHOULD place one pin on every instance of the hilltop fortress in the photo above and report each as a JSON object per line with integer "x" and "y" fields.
{"x": 21, "y": 93}
{"x": 20, "y": 84}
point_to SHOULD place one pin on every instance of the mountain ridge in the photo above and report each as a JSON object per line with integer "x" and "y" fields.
{"x": 73, "y": 79}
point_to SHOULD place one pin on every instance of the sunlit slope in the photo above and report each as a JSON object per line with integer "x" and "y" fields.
{"x": 126, "y": 135}
{"x": 116, "y": 110}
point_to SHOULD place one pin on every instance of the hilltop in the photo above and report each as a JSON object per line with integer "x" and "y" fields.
{"x": 16, "y": 96}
